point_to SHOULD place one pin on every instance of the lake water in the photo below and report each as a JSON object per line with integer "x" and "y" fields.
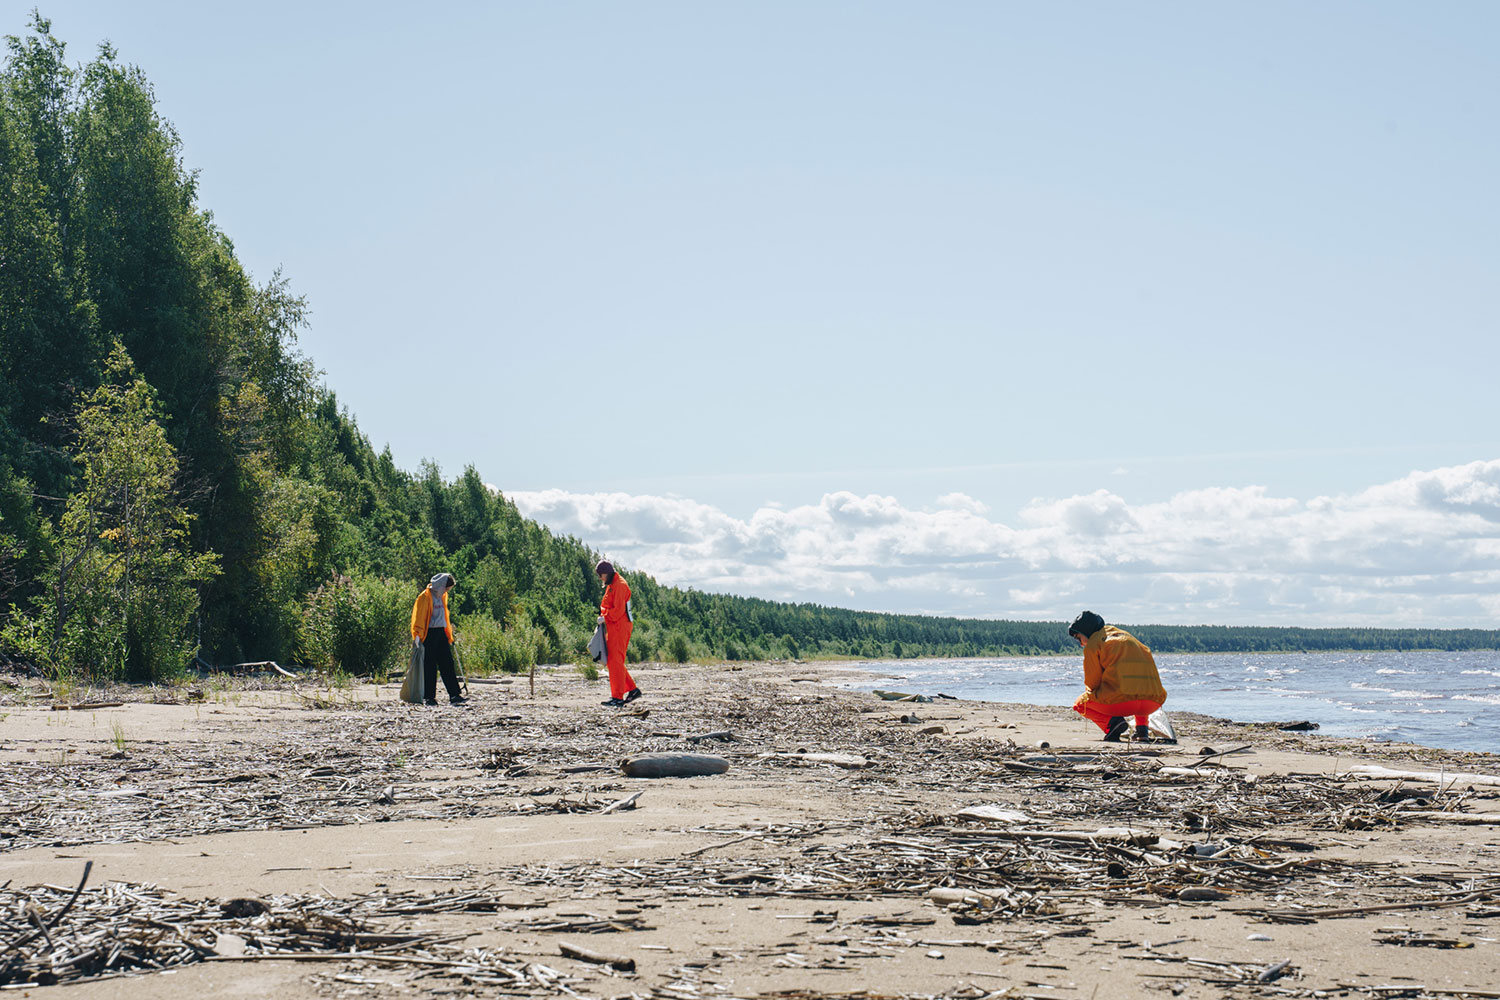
{"x": 1436, "y": 699}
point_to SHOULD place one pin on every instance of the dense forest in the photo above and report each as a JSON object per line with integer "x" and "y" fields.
{"x": 177, "y": 488}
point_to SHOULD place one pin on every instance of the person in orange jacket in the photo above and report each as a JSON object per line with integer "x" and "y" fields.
{"x": 614, "y": 614}
{"x": 431, "y": 626}
{"x": 1119, "y": 678}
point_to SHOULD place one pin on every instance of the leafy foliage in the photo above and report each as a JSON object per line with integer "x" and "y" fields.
{"x": 358, "y": 626}
{"x": 174, "y": 480}
{"x": 123, "y": 592}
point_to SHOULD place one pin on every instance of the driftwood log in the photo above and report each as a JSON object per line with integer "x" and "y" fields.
{"x": 621, "y": 962}
{"x": 674, "y": 765}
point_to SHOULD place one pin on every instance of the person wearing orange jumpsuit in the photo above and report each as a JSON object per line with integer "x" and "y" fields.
{"x": 1119, "y": 678}
{"x": 614, "y": 614}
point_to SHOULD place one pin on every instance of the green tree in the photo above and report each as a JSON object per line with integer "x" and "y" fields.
{"x": 123, "y": 596}
{"x": 48, "y": 336}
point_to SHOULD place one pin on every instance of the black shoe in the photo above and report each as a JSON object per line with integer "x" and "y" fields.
{"x": 1117, "y": 728}
{"x": 632, "y": 694}
{"x": 430, "y": 701}
{"x": 1143, "y": 734}
{"x": 614, "y": 703}
{"x": 458, "y": 699}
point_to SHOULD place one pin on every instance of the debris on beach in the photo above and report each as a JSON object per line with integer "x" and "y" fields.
{"x": 674, "y": 765}
{"x": 937, "y": 835}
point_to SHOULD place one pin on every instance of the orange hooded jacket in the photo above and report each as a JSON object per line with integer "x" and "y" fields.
{"x": 1119, "y": 667}
{"x": 421, "y": 615}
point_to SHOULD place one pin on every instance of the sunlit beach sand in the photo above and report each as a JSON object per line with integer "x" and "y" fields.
{"x": 854, "y": 846}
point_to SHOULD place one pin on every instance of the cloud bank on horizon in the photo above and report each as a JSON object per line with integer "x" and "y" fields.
{"x": 1422, "y": 551}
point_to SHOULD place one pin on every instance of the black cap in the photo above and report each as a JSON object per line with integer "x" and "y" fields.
{"x": 1086, "y": 624}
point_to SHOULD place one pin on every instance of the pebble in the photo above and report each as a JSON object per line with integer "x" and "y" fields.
{"x": 934, "y": 954}
{"x": 1258, "y": 937}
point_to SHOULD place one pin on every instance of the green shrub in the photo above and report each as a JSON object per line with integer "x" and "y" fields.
{"x": 640, "y": 649}
{"x": 551, "y": 647}
{"x": 359, "y": 625}
{"x": 491, "y": 590}
{"x": 677, "y": 648}
{"x": 488, "y": 648}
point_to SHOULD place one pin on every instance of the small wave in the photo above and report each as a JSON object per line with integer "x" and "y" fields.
{"x": 1393, "y": 692}
{"x": 1483, "y": 699}
{"x": 1481, "y": 673}
{"x": 1393, "y": 670}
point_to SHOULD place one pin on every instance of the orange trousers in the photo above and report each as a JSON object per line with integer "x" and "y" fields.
{"x": 616, "y": 641}
{"x": 1100, "y": 713}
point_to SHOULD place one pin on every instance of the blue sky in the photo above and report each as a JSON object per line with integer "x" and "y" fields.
{"x": 998, "y": 257}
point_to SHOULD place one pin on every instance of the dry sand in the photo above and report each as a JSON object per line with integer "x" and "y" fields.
{"x": 787, "y": 875}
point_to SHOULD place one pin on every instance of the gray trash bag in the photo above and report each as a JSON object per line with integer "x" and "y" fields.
{"x": 598, "y": 651}
{"x": 412, "y": 683}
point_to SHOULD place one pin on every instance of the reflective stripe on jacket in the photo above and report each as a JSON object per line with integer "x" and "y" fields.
{"x": 1119, "y": 667}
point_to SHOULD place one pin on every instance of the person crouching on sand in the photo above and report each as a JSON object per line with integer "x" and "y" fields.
{"x": 431, "y": 626}
{"x": 1119, "y": 678}
{"x": 615, "y": 616}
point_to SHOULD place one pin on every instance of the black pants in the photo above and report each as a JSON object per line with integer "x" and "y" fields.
{"x": 436, "y": 652}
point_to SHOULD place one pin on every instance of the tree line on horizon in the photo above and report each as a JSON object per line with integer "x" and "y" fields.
{"x": 177, "y": 488}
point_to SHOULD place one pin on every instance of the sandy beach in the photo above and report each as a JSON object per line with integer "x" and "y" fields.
{"x": 855, "y": 846}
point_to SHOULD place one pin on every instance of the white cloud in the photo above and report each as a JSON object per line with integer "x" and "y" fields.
{"x": 1421, "y": 551}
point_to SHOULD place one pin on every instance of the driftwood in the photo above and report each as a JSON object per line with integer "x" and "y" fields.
{"x": 993, "y": 814}
{"x": 722, "y": 735}
{"x": 674, "y": 765}
{"x": 900, "y": 696}
{"x": 628, "y": 802}
{"x": 621, "y": 962}
{"x": 934, "y": 822}
{"x": 1299, "y": 916}
{"x": 1462, "y": 819}
{"x": 848, "y": 761}
{"x": 123, "y": 928}
{"x": 1445, "y": 778}
{"x": 243, "y": 667}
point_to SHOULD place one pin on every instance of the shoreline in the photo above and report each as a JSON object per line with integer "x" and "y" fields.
{"x": 1451, "y": 718}
{"x": 810, "y": 865}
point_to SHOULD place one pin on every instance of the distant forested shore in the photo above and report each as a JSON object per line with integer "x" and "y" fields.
{"x": 179, "y": 491}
